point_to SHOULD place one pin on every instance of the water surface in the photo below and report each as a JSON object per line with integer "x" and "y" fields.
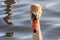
{"x": 50, "y": 20}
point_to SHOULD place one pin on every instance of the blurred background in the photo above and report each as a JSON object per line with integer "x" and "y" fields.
{"x": 50, "y": 20}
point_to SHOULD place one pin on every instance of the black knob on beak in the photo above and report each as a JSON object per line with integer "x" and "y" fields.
{"x": 34, "y": 16}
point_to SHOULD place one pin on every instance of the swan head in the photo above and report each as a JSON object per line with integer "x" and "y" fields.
{"x": 35, "y": 12}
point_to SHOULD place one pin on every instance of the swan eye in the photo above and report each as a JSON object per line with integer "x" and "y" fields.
{"x": 34, "y": 15}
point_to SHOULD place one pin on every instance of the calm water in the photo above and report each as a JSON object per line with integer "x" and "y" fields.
{"x": 50, "y": 20}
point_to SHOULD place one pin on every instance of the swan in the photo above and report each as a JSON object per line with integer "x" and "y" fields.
{"x": 35, "y": 13}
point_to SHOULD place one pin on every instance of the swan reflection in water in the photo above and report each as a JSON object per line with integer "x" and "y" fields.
{"x": 8, "y": 12}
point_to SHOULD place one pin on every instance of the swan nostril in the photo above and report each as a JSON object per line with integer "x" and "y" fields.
{"x": 35, "y": 18}
{"x": 34, "y": 31}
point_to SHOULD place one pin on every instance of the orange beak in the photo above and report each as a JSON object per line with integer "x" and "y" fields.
{"x": 35, "y": 15}
{"x": 34, "y": 22}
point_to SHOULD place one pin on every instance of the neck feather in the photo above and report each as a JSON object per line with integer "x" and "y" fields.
{"x": 37, "y": 35}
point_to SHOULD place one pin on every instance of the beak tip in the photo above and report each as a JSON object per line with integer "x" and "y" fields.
{"x": 34, "y": 31}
